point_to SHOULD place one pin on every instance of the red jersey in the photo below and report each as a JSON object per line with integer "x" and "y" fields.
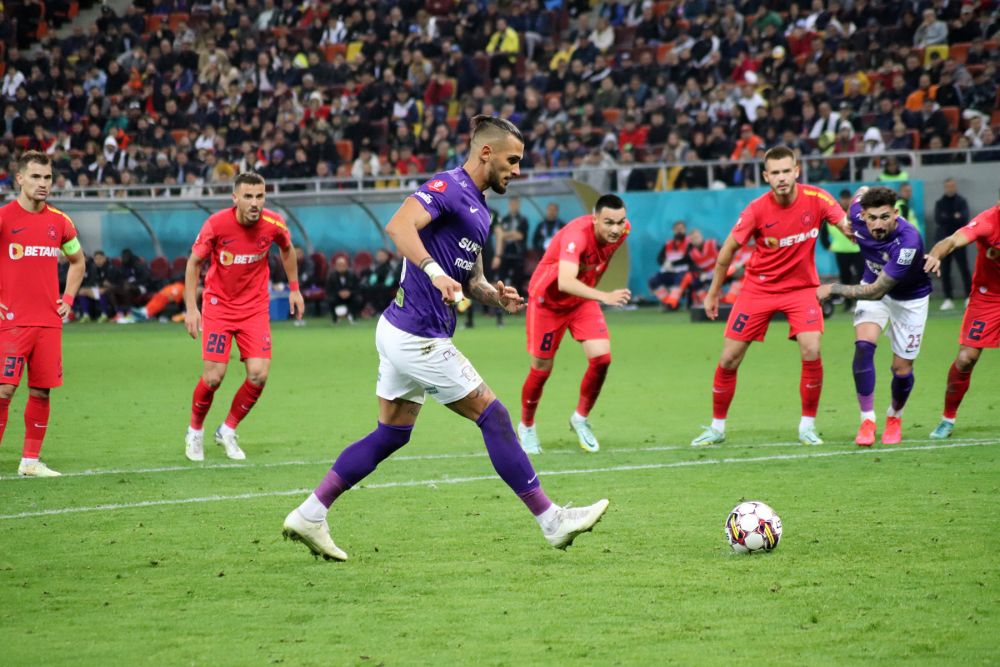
{"x": 575, "y": 243}
{"x": 673, "y": 254}
{"x": 239, "y": 278}
{"x": 984, "y": 229}
{"x": 704, "y": 257}
{"x": 784, "y": 258}
{"x": 29, "y": 264}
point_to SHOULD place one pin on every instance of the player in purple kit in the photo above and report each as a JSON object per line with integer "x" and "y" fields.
{"x": 440, "y": 230}
{"x": 894, "y": 291}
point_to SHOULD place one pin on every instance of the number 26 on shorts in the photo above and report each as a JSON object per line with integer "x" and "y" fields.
{"x": 216, "y": 343}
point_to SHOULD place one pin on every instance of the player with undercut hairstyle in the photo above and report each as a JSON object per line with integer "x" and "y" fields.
{"x": 562, "y": 295}
{"x": 32, "y": 235}
{"x": 780, "y": 276}
{"x": 893, "y": 297}
{"x": 981, "y": 324}
{"x": 440, "y": 230}
{"x": 235, "y": 306}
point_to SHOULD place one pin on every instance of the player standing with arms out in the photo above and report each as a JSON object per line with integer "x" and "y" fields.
{"x": 31, "y": 311}
{"x": 440, "y": 231}
{"x": 981, "y": 324}
{"x": 562, "y": 296}
{"x": 779, "y": 277}
{"x": 236, "y": 299}
{"x": 895, "y": 291}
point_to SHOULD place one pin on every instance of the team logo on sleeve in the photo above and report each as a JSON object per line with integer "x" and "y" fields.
{"x": 906, "y": 256}
{"x": 571, "y": 248}
{"x": 437, "y": 185}
{"x": 423, "y": 195}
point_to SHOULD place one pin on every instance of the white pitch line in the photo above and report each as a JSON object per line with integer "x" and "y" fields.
{"x": 813, "y": 454}
{"x": 436, "y": 457}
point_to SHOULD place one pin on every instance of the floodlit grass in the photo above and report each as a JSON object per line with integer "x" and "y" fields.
{"x": 887, "y": 555}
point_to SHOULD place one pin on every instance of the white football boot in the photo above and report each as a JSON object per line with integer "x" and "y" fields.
{"x": 229, "y": 442}
{"x": 572, "y": 521}
{"x": 313, "y": 534}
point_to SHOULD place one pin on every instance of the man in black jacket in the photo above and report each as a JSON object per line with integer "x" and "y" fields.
{"x": 343, "y": 293}
{"x": 950, "y": 213}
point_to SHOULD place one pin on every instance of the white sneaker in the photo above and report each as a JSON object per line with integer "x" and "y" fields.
{"x": 229, "y": 442}
{"x": 947, "y": 304}
{"x": 529, "y": 439}
{"x": 313, "y": 534}
{"x": 588, "y": 441}
{"x": 571, "y": 521}
{"x": 36, "y": 469}
{"x": 194, "y": 445}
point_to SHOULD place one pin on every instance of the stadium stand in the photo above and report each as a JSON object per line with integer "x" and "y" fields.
{"x": 187, "y": 93}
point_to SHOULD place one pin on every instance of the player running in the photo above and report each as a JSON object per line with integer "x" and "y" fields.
{"x": 895, "y": 291}
{"x": 32, "y": 233}
{"x": 780, "y": 277}
{"x": 561, "y": 296}
{"x": 440, "y": 231}
{"x": 235, "y": 302}
{"x": 981, "y": 324}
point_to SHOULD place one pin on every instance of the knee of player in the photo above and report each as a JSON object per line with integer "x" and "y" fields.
{"x": 902, "y": 366}
{"x": 601, "y": 363}
{"x": 258, "y": 377}
{"x": 7, "y": 391}
{"x": 540, "y": 364}
{"x": 213, "y": 379}
{"x": 36, "y": 392}
{"x": 966, "y": 359}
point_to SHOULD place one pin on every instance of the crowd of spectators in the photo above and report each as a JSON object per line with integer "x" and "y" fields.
{"x": 189, "y": 92}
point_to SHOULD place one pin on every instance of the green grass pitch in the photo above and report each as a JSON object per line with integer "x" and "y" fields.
{"x": 137, "y": 556}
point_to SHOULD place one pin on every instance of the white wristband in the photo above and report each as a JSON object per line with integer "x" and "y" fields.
{"x": 433, "y": 270}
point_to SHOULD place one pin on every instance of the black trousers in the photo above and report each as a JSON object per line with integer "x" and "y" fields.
{"x": 851, "y": 266}
{"x": 961, "y": 259}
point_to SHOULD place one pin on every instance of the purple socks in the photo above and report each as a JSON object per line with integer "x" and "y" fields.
{"x": 508, "y": 459}
{"x": 902, "y": 385}
{"x": 864, "y": 374}
{"x": 360, "y": 459}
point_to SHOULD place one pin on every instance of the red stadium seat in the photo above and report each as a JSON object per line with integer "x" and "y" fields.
{"x": 995, "y": 119}
{"x": 611, "y": 116}
{"x": 954, "y": 116}
{"x": 153, "y": 22}
{"x": 159, "y": 268}
{"x": 178, "y": 135}
{"x": 320, "y": 266}
{"x": 345, "y": 149}
{"x": 178, "y": 268}
{"x": 176, "y": 19}
{"x": 362, "y": 261}
{"x": 330, "y": 51}
{"x": 959, "y": 52}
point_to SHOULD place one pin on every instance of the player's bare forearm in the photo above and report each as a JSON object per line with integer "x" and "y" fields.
{"x": 291, "y": 264}
{"x": 871, "y": 292}
{"x": 479, "y": 288}
{"x": 845, "y": 228}
{"x": 192, "y": 275}
{"x": 722, "y": 262}
{"x": 74, "y": 276}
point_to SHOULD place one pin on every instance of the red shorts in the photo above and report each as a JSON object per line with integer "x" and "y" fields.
{"x": 546, "y": 327}
{"x": 38, "y": 348}
{"x": 752, "y": 313}
{"x": 251, "y": 334}
{"x": 981, "y": 324}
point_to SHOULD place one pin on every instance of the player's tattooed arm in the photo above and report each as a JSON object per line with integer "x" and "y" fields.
{"x": 500, "y": 295}
{"x": 872, "y": 292}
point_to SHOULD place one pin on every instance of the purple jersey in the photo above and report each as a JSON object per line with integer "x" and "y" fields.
{"x": 460, "y": 223}
{"x": 900, "y": 255}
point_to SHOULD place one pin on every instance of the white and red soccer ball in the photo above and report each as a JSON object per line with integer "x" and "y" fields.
{"x": 753, "y": 526}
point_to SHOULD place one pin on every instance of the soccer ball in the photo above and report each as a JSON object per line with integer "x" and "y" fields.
{"x": 753, "y": 526}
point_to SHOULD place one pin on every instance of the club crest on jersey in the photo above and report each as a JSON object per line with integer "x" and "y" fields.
{"x": 437, "y": 185}
{"x": 263, "y": 243}
{"x": 17, "y": 251}
{"x": 52, "y": 232}
{"x": 227, "y": 258}
{"x": 807, "y": 219}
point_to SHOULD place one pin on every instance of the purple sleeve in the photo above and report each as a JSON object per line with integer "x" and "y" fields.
{"x": 854, "y": 213}
{"x": 434, "y": 197}
{"x": 902, "y": 257}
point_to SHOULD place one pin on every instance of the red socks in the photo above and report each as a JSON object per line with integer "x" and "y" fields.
{"x": 36, "y": 420}
{"x": 958, "y": 384}
{"x": 243, "y": 403}
{"x": 200, "y": 404}
{"x": 531, "y": 393}
{"x": 593, "y": 380}
{"x": 723, "y": 390}
{"x": 810, "y": 386}
{"x": 4, "y": 407}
